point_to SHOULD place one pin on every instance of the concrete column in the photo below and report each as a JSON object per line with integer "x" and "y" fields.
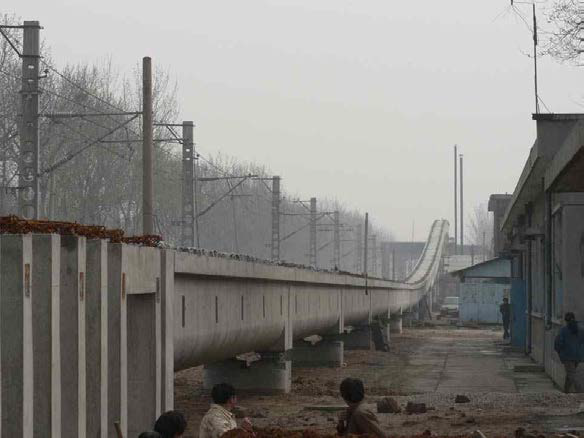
{"x": 395, "y": 322}
{"x": 46, "y": 268}
{"x": 325, "y": 353}
{"x": 380, "y": 335}
{"x": 72, "y": 323}
{"x": 96, "y": 338}
{"x": 270, "y": 375}
{"x": 16, "y": 336}
{"x": 117, "y": 338}
{"x": 167, "y": 335}
{"x": 143, "y": 338}
{"x": 360, "y": 338}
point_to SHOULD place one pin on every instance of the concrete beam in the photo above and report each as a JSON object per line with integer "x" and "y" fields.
{"x": 16, "y": 336}
{"x": 46, "y": 268}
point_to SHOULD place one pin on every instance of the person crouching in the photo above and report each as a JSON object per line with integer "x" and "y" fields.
{"x": 219, "y": 418}
{"x": 357, "y": 419}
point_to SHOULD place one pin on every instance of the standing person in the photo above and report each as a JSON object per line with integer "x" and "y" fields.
{"x": 505, "y": 310}
{"x": 219, "y": 418}
{"x": 171, "y": 424}
{"x": 357, "y": 419}
{"x": 569, "y": 344}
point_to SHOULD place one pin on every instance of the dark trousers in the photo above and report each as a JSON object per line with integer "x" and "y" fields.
{"x": 506, "y": 334}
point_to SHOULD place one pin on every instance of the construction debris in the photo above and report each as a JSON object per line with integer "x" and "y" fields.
{"x": 461, "y": 399}
{"x": 388, "y": 405}
{"x": 416, "y": 408}
{"x": 16, "y": 225}
{"x": 477, "y": 434}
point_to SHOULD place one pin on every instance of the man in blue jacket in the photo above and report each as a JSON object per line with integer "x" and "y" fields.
{"x": 569, "y": 344}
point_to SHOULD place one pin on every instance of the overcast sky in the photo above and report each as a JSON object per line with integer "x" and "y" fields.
{"x": 356, "y": 100}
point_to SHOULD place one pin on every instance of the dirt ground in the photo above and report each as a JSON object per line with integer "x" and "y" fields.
{"x": 425, "y": 365}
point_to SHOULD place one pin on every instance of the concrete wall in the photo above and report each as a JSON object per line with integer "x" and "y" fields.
{"x": 91, "y": 332}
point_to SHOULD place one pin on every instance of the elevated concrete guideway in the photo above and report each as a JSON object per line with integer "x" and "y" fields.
{"x": 91, "y": 332}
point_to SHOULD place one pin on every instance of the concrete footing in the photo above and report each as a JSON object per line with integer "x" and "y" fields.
{"x": 396, "y": 323}
{"x": 360, "y": 338}
{"x": 324, "y": 354}
{"x": 380, "y": 336}
{"x": 272, "y": 374}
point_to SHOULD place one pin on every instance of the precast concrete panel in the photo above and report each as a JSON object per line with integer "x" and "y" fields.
{"x": 97, "y": 340}
{"x": 118, "y": 285}
{"x": 219, "y": 317}
{"x": 72, "y": 323}
{"x": 46, "y": 268}
{"x": 142, "y": 362}
{"x": 16, "y": 337}
{"x": 167, "y": 326}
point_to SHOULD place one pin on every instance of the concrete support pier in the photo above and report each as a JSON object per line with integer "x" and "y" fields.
{"x": 360, "y": 338}
{"x": 272, "y": 374}
{"x": 326, "y": 353}
{"x": 380, "y": 335}
{"x": 395, "y": 322}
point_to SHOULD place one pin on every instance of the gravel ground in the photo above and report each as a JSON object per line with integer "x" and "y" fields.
{"x": 391, "y": 374}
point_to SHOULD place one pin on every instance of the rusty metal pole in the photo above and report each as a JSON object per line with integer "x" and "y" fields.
{"x": 147, "y": 149}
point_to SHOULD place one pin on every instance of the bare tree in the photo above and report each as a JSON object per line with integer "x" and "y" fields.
{"x": 566, "y": 21}
{"x": 479, "y": 231}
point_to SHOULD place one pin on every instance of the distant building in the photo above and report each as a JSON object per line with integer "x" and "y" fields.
{"x": 482, "y": 289}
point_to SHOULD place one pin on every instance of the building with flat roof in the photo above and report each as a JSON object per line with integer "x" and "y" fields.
{"x": 543, "y": 234}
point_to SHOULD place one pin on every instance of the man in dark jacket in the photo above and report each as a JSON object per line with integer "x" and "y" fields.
{"x": 569, "y": 344}
{"x": 505, "y": 310}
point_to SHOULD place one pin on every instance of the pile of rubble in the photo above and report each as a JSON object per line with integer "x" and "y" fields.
{"x": 16, "y": 225}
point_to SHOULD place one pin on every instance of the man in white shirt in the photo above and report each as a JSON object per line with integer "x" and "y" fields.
{"x": 219, "y": 418}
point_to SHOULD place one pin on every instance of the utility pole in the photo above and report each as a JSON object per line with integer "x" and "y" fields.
{"x": 275, "y": 246}
{"x": 373, "y": 254}
{"x": 337, "y": 240}
{"x": 393, "y": 276}
{"x": 484, "y": 246}
{"x": 385, "y": 260}
{"x": 196, "y": 196}
{"x": 461, "y": 208}
{"x": 188, "y": 196}
{"x": 535, "y": 60}
{"x": 147, "y": 149}
{"x": 455, "y": 201}
{"x": 365, "y": 241}
{"x": 29, "y": 127}
{"x": 359, "y": 248}
{"x": 312, "y": 237}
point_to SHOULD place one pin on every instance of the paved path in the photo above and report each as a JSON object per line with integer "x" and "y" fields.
{"x": 471, "y": 361}
{"x": 451, "y": 360}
